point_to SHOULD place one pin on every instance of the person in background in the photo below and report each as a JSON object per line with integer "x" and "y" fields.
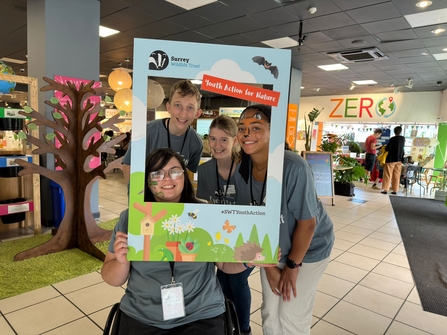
{"x": 142, "y": 303}
{"x": 393, "y": 164}
{"x": 371, "y": 147}
{"x": 175, "y": 132}
{"x": 306, "y": 231}
{"x": 216, "y": 185}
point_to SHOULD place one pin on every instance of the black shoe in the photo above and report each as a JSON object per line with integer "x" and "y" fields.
{"x": 394, "y": 193}
{"x": 384, "y": 192}
{"x": 248, "y": 332}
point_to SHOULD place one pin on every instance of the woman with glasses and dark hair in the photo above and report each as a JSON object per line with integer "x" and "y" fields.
{"x": 306, "y": 231}
{"x": 201, "y": 304}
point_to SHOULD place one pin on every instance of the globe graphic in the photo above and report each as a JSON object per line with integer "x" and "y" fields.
{"x": 6, "y": 86}
{"x": 386, "y": 107}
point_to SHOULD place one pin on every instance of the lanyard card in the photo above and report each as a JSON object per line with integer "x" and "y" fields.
{"x": 172, "y": 301}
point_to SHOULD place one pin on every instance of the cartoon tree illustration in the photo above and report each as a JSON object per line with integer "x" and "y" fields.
{"x": 74, "y": 124}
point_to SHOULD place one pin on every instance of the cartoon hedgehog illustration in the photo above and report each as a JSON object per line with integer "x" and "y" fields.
{"x": 248, "y": 252}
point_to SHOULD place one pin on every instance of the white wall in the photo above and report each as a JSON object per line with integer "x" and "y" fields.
{"x": 410, "y": 107}
{"x": 443, "y": 109}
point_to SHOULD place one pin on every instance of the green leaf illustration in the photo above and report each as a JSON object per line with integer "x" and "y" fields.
{"x": 50, "y": 137}
{"x": 122, "y": 113}
{"x": 32, "y": 126}
{"x": 101, "y": 112}
{"x": 107, "y": 99}
{"x": 27, "y": 109}
{"x": 57, "y": 115}
{"x": 22, "y": 135}
{"x": 54, "y": 100}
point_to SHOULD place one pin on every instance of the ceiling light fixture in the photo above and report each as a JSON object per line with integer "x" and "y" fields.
{"x": 280, "y": 43}
{"x": 302, "y": 87}
{"x": 196, "y": 81}
{"x": 437, "y": 31}
{"x": 104, "y": 31}
{"x": 191, "y": 4}
{"x": 365, "y": 82}
{"x": 396, "y": 90}
{"x": 423, "y": 4}
{"x": 445, "y": 49}
{"x": 333, "y": 67}
{"x": 317, "y": 89}
{"x": 352, "y": 87}
{"x": 12, "y": 60}
{"x": 425, "y": 53}
{"x": 442, "y": 56}
{"x": 427, "y": 18}
{"x": 312, "y": 10}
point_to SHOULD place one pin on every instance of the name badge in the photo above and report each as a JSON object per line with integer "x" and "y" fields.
{"x": 230, "y": 190}
{"x": 172, "y": 300}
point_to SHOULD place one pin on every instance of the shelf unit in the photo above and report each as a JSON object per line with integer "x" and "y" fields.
{"x": 27, "y": 187}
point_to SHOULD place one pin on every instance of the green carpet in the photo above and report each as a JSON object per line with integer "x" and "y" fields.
{"x": 30, "y": 274}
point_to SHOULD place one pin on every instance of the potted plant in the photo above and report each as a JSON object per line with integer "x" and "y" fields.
{"x": 348, "y": 169}
{"x": 308, "y": 127}
{"x": 188, "y": 248}
{"x": 330, "y": 143}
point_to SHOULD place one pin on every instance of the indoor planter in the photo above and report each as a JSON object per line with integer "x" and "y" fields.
{"x": 308, "y": 127}
{"x": 349, "y": 170}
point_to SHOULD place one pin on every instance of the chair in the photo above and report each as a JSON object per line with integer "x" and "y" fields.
{"x": 413, "y": 176}
{"x": 231, "y": 321}
{"x": 428, "y": 178}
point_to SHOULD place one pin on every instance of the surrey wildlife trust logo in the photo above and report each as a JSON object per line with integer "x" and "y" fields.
{"x": 158, "y": 60}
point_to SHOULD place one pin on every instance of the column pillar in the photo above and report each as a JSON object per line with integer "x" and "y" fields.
{"x": 63, "y": 39}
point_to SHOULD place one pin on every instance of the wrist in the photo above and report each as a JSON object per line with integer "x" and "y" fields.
{"x": 291, "y": 264}
{"x": 247, "y": 267}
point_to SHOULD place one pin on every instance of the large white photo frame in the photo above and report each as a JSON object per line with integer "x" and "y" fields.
{"x": 218, "y": 229}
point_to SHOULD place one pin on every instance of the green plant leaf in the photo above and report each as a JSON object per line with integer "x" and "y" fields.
{"x": 122, "y": 113}
{"x": 54, "y": 100}
{"x": 32, "y": 126}
{"x": 27, "y": 109}
{"x": 22, "y": 135}
{"x": 57, "y": 115}
{"x": 107, "y": 99}
{"x": 50, "y": 137}
{"x": 102, "y": 112}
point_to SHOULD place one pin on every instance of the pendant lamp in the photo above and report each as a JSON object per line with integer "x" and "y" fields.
{"x": 119, "y": 79}
{"x": 155, "y": 94}
{"x": 123, "y": 99}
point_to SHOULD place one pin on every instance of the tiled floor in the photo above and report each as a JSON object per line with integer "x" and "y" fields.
{"x": 367, "y": 288}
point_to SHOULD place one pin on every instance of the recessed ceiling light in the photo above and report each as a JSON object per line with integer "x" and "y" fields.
{"x": 427, "y": 18}
{"x": 365, "y": 82}
{"x": 356, "y": 42}
{"x": 280, "y": 43}
{"x": 333, "y": 67}
{"x": 437, "y": 31}
{"x": 425, "y": 54}
{"x": 423, "y": 4}
{"x": 191, "y": 4}
{"x": 196, "y": 81}
{"x": 12, "y": 60}
{"x": 104, "y": 31}
{"x": 317, "y": 89}
{"x": 302, "y": 87}
{"x": 440, "y": 56}
{"x": 352, "y": 87}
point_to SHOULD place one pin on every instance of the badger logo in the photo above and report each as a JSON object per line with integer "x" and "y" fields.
{"x": 158, "y": 60}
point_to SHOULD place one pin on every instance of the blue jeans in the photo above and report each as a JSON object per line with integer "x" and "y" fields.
{"x": 235, "y": 287}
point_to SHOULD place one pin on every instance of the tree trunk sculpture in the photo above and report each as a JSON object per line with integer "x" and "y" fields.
{"x": 74, "y": 125}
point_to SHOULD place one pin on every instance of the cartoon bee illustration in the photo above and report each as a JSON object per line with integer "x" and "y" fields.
{"x": 228, "y": 227}
{"x": 193, "y": 215}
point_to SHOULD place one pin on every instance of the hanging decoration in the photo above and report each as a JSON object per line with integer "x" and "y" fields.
{"x": 155, "y": 94}
{"x": 123, "y": 100}
{"x": 119, "y": 79}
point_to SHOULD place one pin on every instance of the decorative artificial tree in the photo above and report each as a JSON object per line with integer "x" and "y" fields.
{"x": 74, "y": 125}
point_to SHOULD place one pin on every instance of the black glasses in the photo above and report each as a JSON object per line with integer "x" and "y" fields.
{"x": 174, "y": 173}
